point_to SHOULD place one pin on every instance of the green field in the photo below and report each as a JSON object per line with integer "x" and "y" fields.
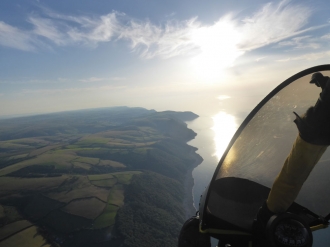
{"x": 107, "y": 218}
{"x": 111, "y": 163}
{"x": 92, "y": 140}
{"x": 2, "y": 212}
{"x": 105, "y": 182}
{"x": 100, "y": 176}
{"x": 110, "y": 179}
{"x": 11, "y": 214}
{"x": 119, "y": 139}
{"x": 116, "y": 196}
{"x": 87, "y": 160}
{"x": 14, "y": 146}
{"x": 70, "y": 173}
{"x": 30, "y": 184}
{"x": 125, "y": 177}
{"x": 43, "y": 150}
{"x": 59, "y": 160}
{"x": 14, "y": 227}
{"x": 81, "y": 165}
{"x": 26, "y": 238}
{"x": 79, "y": 188}
{"x": 19, "y": 156}
{"x": 87, "y": 208}
{"x": 142, "y": 151}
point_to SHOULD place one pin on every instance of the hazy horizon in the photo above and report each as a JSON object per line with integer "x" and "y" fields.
{"x": 182, "y": 56}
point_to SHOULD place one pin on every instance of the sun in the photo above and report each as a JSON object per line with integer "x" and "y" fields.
{"x": 218, "y": 49}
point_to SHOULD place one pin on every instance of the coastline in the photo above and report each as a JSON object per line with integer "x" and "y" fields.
{"x": 188, "y": 201}
{"x": 189, "y": 181}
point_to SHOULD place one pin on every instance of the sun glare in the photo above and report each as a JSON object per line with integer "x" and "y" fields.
{"x": 224, "y": 128}
{"x": 218, "y": 45}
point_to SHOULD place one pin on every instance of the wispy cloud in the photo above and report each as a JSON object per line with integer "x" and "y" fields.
{"x": 61, "y": 80}
{"x": 259, "y": 59}
{"x": 307, "y": 57}
{"x": 97, "y": 79}
{"x": 93, "y": 31}
{"x": 326, "y": 37}
{"x": 223, "y": 97}
{"x": 302, "y": 42}
{"x": 117, "y": 78}
{"x": 27, "y": 81}
{"x": 273, "y": 23}
{"x": 15, "y": 38}
{"x": 232, "y": 35}
{"x": 72, "y": 90}
{"x": 48, "y": 29}
{"x": 172, "y": 39}
{"x": 92, "y": 79}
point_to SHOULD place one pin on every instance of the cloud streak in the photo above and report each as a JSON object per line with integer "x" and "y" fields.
{"x": 273, "y": 23}
{"x": 270, "y": 24}
{"x": 98, "y": 79}
{"x": 72, "y": 90}
{"x": 173, "y": 39}
{"x": 302, "y": 42}
{"x": 15, "y": 38}
{"x": 307, "y": 57}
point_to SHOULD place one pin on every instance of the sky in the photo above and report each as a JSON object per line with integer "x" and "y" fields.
{"x": 183, "y": 55}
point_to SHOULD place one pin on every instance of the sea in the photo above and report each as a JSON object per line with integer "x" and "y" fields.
{"x": 213, "y": 135}
{"x": 206, "y": 142}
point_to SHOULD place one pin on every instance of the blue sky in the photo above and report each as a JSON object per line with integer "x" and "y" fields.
{"x": 202, "y": 56}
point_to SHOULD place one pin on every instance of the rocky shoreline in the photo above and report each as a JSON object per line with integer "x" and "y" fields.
{"x": 188, "y": 201}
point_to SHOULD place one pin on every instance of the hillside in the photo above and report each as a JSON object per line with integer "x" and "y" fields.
{"x": 94, "y": 177}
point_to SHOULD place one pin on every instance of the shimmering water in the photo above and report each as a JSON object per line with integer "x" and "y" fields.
{"x": 204, "y": 141}
{"x": 213, "y": 135}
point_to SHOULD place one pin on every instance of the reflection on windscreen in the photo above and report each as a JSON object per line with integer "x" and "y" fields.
{"x": 261, "y": 149}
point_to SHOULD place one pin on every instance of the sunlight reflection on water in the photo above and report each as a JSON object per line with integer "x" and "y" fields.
{"x": 224, "y": 127}
{"x": 212, "y": 140}
{"x": 213, "y": 135}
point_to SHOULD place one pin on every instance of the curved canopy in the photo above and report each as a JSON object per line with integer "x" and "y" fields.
{"x": 255, "y": 156}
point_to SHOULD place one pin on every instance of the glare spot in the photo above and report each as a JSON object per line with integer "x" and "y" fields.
{"x": 224, "y": 128}
{"x": 223, "y": 97}
{"x": 218, "y": 45}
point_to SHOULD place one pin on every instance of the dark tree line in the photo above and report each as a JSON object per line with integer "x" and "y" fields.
{"x": 153, "y": 214}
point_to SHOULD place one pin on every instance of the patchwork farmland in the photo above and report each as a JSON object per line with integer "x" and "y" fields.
{"x": 66, "y": 188}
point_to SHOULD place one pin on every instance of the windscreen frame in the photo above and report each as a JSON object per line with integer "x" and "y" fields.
{"x": 319, "y": 68}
